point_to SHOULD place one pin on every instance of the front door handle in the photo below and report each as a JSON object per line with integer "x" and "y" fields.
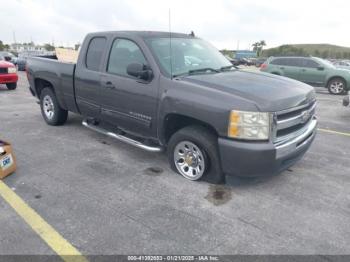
{"x": 282, "y": 67}
{"x": 109, "y": 85}
{"x": 303, "y": 70}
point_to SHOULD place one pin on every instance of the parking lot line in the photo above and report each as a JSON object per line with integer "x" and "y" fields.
{"x": 333, "y": 132}
{"x": 52, "y": 238}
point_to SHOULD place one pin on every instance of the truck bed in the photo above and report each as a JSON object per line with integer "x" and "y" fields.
{"x": 60, "y": 74}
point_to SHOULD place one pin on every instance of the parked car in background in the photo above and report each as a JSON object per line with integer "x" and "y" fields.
{"x": 312, "y": 70}
{"x": 245, "y": 61}
{"x": 8, "y": 74}
{"x": 9, "y": 57}
{"x": 21, "y": 63}
{"x": 342, "y": 64}
{"x": 260, "y": 61}
{"x": 233, "y": 61}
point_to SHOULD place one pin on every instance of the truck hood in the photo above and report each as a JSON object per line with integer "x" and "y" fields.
{"x": 269, "y": 93}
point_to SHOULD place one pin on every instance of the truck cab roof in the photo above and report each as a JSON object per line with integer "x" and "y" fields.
{"x": 144, "y": 34}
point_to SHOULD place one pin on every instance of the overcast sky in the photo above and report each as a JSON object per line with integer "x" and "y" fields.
{"x": 222, "y": 22}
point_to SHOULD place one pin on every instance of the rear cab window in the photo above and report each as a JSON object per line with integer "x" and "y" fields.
{"x": 94, "y": 53}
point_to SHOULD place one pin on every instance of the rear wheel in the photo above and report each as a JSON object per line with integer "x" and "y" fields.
{"x": 11, "y": 86}
{"x": 51, "y": 111}
{"x": 336, "y": 86}
{"x": 193, "y": 153}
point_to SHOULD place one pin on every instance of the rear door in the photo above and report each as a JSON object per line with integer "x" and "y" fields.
{"x": 312, "y": 72}
{"x": 128, "y": 102}
{"x": 88, "y": 78}
{"x": 292, "y": 67}
{"x": 286, "y": 67}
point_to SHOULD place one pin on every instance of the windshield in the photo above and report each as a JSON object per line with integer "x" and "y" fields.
{"x": 189, "y": 55}
{"x": 325, "y": 62}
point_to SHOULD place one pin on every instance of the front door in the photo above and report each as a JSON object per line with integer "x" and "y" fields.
{"x": 128, "y": 102}
{"x": 312, "y": 72}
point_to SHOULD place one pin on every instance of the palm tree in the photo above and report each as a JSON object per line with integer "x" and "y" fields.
{"x": 255, "y": 46}
{"x": 258, "y": 47}
{"x": 262, "y": 43}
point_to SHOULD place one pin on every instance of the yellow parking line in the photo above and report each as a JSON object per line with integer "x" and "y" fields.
{"x": 52, "y": 238}
{"x": 333, "y": 132}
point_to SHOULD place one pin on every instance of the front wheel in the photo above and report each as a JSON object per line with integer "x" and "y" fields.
{"x": 336, "y": 86}
{"x": 193, "y": 153}
{"x": 11, "y": 86}
{"x": 51, "y": 111}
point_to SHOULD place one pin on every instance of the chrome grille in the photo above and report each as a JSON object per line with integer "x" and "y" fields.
{"x": 292, "y": 122}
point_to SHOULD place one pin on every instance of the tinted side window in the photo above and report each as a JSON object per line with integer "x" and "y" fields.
{"x": 295, "y": 62}
{"x": 95, "y": 52}
{"x": 123, "y": 53}
{"x": 279, "y": 61}
{"x": 310, "y": 63}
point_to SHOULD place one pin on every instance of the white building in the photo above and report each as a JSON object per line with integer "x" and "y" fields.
{"x": 19, "y": 48}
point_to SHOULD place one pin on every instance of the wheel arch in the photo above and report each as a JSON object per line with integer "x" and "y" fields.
{"x": 173, "y": 122}
{"x": 40, "y": 84}
{"x": 335, "y": 77}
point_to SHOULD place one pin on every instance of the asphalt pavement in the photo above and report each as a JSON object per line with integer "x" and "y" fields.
{"x": 106, "y": 197}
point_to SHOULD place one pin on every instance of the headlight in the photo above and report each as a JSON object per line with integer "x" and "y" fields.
{"x": 249, "y": 125}
{"x": 11, "y": 70}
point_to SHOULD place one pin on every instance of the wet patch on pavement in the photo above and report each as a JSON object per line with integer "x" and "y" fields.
{"x": 219, "y": 194}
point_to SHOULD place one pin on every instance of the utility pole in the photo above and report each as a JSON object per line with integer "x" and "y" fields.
{"x": 237, "y": 45}
{"x": 14, "y": 37}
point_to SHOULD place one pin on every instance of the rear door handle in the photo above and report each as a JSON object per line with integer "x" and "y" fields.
{"x": 282, "y": 67}
{"x": 109, "y": 85}
{"x": 303, "y": 70}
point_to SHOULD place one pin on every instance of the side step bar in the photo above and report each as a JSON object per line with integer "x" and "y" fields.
{"x": 122, "y": 138}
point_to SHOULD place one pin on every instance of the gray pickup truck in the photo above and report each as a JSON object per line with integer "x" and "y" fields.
{"x": 157, "y": 90}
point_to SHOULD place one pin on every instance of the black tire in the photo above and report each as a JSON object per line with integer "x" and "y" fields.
{"x": 206, "y": 141}
{"x": 336, "y": 90}
{"x": 11, "y": 86}
{"x": 59, "y": 115}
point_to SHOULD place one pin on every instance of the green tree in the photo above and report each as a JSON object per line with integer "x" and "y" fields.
{"x": 255, "y": 46}
{"x": 325, "y": 54}
{"x": 258, "y": 47}
{"x": 1, "y": 46}
{"x": 262, "y": 43}
{"x": 49, "y": 47}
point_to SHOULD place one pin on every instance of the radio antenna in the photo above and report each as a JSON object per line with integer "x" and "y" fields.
{"x": 170, "y": 49}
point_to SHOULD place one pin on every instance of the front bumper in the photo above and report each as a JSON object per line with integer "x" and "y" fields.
{"x": 254, "y": 159}
{"x": 346, "y": 100}
{"x": 8, "y": 78}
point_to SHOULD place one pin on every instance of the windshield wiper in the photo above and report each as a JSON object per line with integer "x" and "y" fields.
{"x": 228, "y": 67}
{"x": 206, "y": 69}
{"x": 200, "y": 70}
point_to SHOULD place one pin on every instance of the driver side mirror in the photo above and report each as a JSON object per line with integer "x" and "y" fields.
{"x": 321, "y": 68}
{"x": 139, "y": 71}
